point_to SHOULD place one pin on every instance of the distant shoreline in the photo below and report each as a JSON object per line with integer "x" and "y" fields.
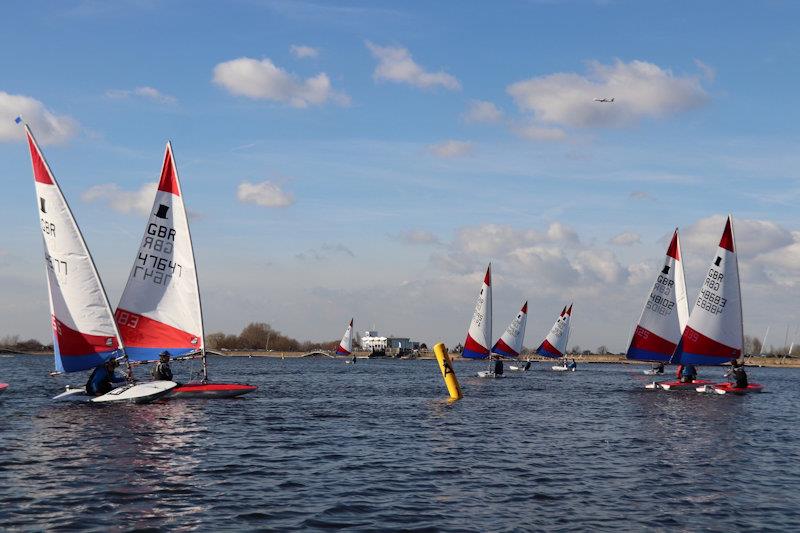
{"x": 770, "y": 362}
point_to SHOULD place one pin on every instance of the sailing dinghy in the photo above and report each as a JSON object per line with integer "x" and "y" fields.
{"x": 715, "y": 334}
{"x": 479, "y": 335}
{"x": 510, "y": 343}
{"x": 554, "y": 345}
{"x": 665, "y": 312}
{"x": 160, "y": 308}
{"x": 84, "y": 332}
{"x": 346, "y": 345}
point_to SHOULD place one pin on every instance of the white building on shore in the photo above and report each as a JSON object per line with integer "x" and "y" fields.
{"x": 372, "y": 342}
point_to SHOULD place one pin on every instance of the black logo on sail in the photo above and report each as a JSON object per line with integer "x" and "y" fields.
{"x": 162, "y": 211}
{"x": 41, "y": 205}
{"x": 666, "y": 270}
{"x": 718, "y": 261}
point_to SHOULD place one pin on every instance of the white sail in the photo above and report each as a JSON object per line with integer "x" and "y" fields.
{"x": 555, "y": 344}
{"x": 510, "y": 343}
{"x": 665, "y": 313}
{"x": 160, "y": 306}
{"x": 714, "y": 335}
{"x": 346, "y": 346}
{"x": 479, "y": 335}
{"x": 84, "y": 332}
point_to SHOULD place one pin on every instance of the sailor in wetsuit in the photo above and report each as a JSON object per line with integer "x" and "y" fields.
{"x": 739, "y": 375}
{"x": 572, "y": 365}
{"x": 102, "y": 378}
{"x": 527, "y": 366}
{"x": 659, "y": 368}
{"x": 162, "y": 370}
{"x": 498, "y": 367}
{"x": 687, "y": 373}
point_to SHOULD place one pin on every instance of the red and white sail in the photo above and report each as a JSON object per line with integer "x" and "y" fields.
{"x": 665, "y": 313}
{"x": 346, "y": 346}
{"x": 84, "y": 332}
{"x": 555, "y": 344}
{"x": 160, "y": 306}
{"x": 510, "y": 343}
{"x": 479, "y": 335}
{"x": 714, "y": 334}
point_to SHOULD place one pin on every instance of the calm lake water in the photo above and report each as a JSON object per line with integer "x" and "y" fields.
{"x": 375, "y": 446}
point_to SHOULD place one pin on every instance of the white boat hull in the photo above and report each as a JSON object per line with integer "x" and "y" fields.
{"x": 561, "y": 368}
{"x": 487, "y": 374}
{"x": 131, "y": 393}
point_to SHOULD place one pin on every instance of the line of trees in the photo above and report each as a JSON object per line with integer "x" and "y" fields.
{"x": 12, "y": 343}
{"x": 262, "y": 336}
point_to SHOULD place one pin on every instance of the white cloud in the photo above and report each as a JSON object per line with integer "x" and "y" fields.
{"x": 266, "y": 194}
{"x": 451, "y": 148}
{"x": 538, "y": 133}
{"x": 492, "y": 240}
{"x": 263, "y": 80}
{"x": 48, "y": 127}
{"x": 708, "y": 72}
{"x": 481, "y": 111}
{"x": 150, "y": 93}
{"x": 753, "y": 237}
{"x": 122, "y": 201}
{"x": 418, "y": 236}
{"x": 302, "y": 51}
{"x": 396, "y": 64}
{"x": 628, "y": 238}
{"x": 641, "y": 90}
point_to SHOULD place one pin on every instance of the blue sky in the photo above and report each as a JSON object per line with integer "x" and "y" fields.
{"x": 400, "y": 146}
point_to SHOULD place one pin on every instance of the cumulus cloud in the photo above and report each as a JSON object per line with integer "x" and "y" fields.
{"x": 149, "y": 93}
{"x": 117, "y": 199}
{"x": 265, "y": 194}
{"x": 628, "y": 238}
{"x": 641, "y": 90}
{"x": 418, "y": 236}
{"x": 451, "y": 148}
{"x": 263, "y": 80}
{"x": 302, "y": 51}
{"x": 48, "y": 127}
{"x": 753, "y": 237}
{"x": 481, "y": 111}
{"x": 498, "y": 239}
{"x": 396, "y": 64}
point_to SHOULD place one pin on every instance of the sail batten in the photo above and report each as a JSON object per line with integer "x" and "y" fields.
{"x": 84, "y": 332}
{"x": 160, "y": 307}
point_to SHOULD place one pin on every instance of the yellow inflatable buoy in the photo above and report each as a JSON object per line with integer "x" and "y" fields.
{"x": 449, "y": 375}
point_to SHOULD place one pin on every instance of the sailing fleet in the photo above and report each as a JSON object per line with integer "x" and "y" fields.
{"x": 711, "y": 335}
{"x": 160, "y": 311}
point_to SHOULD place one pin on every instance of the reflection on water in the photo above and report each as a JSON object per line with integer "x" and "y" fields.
{"x": 378, "y": 446}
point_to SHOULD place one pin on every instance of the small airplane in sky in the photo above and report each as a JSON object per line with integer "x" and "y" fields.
{"x": 604, "y": 100}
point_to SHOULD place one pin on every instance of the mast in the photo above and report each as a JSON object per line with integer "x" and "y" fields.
{"x": 203, "y": 357}
{"x": 120, "y": 344}
{"x": 739, "y": 289}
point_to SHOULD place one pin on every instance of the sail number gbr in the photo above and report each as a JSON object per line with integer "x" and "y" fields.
{"x": 709, "y": 300}
{"x": 659, "y": 301}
